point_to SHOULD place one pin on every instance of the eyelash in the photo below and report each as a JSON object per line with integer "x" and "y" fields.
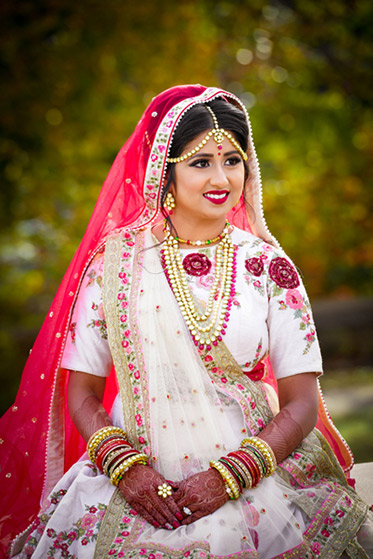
{"x": 234, "y": 160}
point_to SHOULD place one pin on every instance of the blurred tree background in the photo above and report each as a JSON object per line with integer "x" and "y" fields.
{"x": 76, "y": 77}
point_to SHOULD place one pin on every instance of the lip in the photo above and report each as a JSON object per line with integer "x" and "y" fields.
{"x": 216, "y": 196}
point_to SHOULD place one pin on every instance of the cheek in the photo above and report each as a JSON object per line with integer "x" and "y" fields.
{"x": 187, "y": 187}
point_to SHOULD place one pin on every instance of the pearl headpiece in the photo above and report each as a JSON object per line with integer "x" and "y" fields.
{"x": 218, "y": 134}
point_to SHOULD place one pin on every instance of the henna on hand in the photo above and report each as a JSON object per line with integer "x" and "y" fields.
{"x": 202, "y": 493}
{"x": 139, "y": 487}
{"x": 90, "y": 416}
{"x": 283, "y": 434}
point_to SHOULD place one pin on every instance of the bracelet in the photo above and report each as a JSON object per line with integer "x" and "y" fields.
{"x": 233, "y": 469}
{"x": 244, "y": 471}
{"x": 117, "y": 474}
{"x": 105, "y": 458}
{"x": 228, "y": 478}
{"x": 106, "y": 447}
{"x": 252, "y": 454}
{"x": 247, "y": 460}
{"x": 266, "y": 452}
{"x": 110, "y": 456}
{"x": 119, "y": 460}
{"x": 113, "y": 439}
{"x": 100, "y": 436}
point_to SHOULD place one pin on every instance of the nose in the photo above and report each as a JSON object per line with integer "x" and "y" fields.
{"x": 218, "y": 176}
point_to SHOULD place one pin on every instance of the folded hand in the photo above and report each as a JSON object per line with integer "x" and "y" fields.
{"x": 202, "y": 494}
{"x": 139, "y": 487}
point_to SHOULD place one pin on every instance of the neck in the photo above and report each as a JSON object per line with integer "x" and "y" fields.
{"x": 197, "y": 231}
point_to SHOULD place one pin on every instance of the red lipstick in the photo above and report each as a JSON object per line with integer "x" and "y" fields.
{"x": 216, "y": 196}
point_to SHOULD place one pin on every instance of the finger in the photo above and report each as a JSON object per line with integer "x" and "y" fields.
{"x": 184, "y": 501}
{"x": 173, "y": 506}
{"x": 168, "y": 508}
{"x": 193, "y": 517}
{"x": 179, "y": 494}
{"x": 156, "y": 520}
{"x": 157, "y": 513}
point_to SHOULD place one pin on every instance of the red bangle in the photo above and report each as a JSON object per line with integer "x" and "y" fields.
{"x": 110, "y": 441}
{"x": 106, "y": 449}
{"x": 106, "y": 464}
{"x": 251, "y": 465}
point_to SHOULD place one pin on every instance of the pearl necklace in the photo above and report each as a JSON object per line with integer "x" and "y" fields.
{"x": 206, "y": 328}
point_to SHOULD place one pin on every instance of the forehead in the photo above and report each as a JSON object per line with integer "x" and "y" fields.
{"x": 210, "y": 146}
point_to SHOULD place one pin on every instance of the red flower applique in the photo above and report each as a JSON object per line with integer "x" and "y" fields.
{"x": 283, "y": 273}
{"x": 254, "y": 266}
{"x": 196, "y": 264}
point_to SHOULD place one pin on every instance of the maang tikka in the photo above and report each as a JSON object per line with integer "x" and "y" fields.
{"x": 218, "y": 134}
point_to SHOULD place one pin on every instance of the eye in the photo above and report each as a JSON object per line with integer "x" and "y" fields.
{"x": 200, "y": 163}
{"x": 234, "y": 160}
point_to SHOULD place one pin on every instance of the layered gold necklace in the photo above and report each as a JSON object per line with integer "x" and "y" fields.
{"x": 207, "y": 327}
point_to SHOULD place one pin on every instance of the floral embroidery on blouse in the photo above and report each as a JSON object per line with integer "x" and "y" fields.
{"x": 97, "y": 270}
{"x": 285, "y": 281}
{"x": 94, "y": 277}
{"x": 100, "y": 321}
{"x": 197, "y": 264}
{"x": 255, "y": 266}
{"x": 72, "y": 330}
{"x": 253, "y": 278}
{"x": 255, "y": 369}
{"x": 283, "y": 273}
{"x": 294, "y": 300}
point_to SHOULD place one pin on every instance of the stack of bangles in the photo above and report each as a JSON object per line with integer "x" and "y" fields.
{"x": 109, "y": 449}
{"x": 245, "y": 467}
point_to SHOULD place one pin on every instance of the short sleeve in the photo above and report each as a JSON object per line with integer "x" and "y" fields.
{"x": 293, "y": 343}
{"x": 87, "y": 349}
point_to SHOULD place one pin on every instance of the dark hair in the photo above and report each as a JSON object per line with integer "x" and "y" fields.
{"x": 198, "y": 119}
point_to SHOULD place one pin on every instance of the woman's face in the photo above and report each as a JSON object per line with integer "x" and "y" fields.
{"x": 208, "y": 184}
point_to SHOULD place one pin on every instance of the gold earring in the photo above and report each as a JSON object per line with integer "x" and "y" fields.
{"x": 169, "y": 203}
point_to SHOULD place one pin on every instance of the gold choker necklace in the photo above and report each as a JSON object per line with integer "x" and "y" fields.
{"x": 209, "y": 327}
{"x": 223, "y": 234}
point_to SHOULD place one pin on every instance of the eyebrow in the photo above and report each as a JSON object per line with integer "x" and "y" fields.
{"x": 226, "y": 154}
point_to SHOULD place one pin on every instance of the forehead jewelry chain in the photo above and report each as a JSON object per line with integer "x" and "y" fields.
{"x": 209, "y": 326}
{"x": 218, "y": 134}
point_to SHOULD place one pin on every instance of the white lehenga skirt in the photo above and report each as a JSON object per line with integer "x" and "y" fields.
{"x": 85, "y": 517}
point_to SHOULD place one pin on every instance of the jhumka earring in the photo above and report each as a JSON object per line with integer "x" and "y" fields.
{"x": 169, "y": 203}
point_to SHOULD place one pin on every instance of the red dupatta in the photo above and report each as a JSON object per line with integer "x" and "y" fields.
{"x": 38, "y": 441}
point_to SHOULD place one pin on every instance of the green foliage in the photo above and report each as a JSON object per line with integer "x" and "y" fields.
{"x": 76, "y": 76}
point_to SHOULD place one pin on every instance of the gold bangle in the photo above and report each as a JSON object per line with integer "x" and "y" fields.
{"x": 126, "y": 465}
{"x": 118, "y": 461}
{"x": 99, "y": 436}
{"x": 268, "y": 453}
{"x": 265, "y": 450}
{"x": 229, "y": 481}
{"x": 111, "y": 455}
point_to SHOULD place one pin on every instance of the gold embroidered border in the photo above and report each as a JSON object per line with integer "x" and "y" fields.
{"x": 355, "y": 551}
{"x": 251, "y": 397}
{"x": 150, "y": 547}
{"x": 111, "y": 268}
{"x": 314, "y": 450}
{"x": 137, "y": 271}
{"x": 110, "y": 523}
